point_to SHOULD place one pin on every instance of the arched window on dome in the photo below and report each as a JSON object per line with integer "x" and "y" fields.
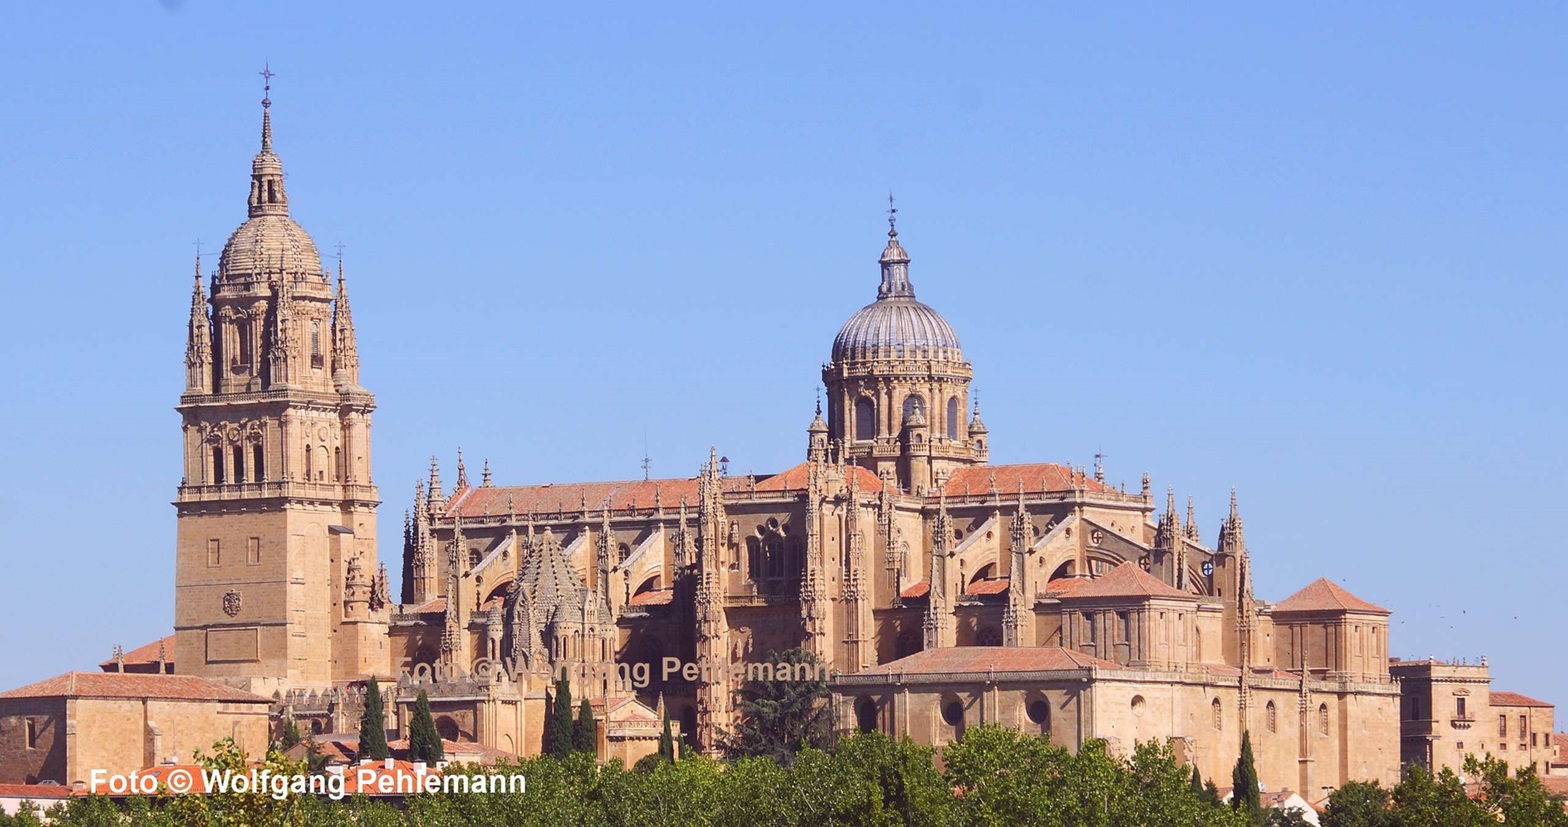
{"x": 952, "y": 418}
{"x": 865, "y": 419}
{"x": 912, "y": 403}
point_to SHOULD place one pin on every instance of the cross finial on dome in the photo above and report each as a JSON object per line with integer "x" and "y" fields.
{"x": 892, "y": 216}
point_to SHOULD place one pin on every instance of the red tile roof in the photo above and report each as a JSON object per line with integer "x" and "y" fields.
{"x": 568, "y": 497}
{"x": 146, "y": 654}
{"x": 795, "y": 479}
{"x": 655, "y": 597}
{"x": 1035, "y": 477}
{"x": 35, "y": 792}
{"x": 1323, "y": 596}
{"x": 130, "y": 685}
{"x": 974, "y": 660}
{"x": 1065, "y": 586}
{"x": 997, "y": 586}
{"x": 1516, "y": 699}
{"x": 465, "y": 752}
{"x": 430, "y": 607}
{"x": 1126, "y": 580}
{"x": 920, "y": 589}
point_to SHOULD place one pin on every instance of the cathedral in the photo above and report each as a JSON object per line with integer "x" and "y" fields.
{"x": 938, "y": 590}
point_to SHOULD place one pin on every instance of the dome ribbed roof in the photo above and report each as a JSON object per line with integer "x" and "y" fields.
{"x": 268, "y": 242}
{"x": 898, "y": 328}
{"x": 896, "y": 325}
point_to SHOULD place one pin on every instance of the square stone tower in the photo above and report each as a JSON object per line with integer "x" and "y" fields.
{"x": 277, "y": 583}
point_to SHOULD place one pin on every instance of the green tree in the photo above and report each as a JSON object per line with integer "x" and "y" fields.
{"x": 1244, "y": 793}
{"x": 1423, "y": 798}
{"x": 1287, "y": 817}
{"x": 290, "y": 735}
{"x": 1519, "y": 798}
{"x": 1359, "y": 804}
{"x": 585, "y": 735}
{"x": 424, "y": 742}
{"x": 666, "y": 740}
{"x": 561, "y": 719}
{"x": 777, "y": 718}
{"x": 373, "y": 725}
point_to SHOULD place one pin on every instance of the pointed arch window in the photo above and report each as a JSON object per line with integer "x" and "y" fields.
{"x": 1219, "y": 715}
{"x": 317, "y": 360}
{"x": 1271, "y": 717}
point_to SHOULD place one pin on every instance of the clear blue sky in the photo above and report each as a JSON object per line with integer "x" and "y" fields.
{"x": 1314, "y": 253}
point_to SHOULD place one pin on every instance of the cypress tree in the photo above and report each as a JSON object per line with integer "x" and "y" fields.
{"x": 373, "y": 726}
{"x": 1196, "y": 782}
{"x": 666, "y": 741}
{"x": 1244, "y": 793}
{"x": 585, "y": 733}
{"x": 290, "y": 735}
{"x": 424, "y": 743}
{"x": 561, "y": 720}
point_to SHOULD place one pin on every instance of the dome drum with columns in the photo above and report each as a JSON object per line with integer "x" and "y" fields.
{"x": 898, "y": 386}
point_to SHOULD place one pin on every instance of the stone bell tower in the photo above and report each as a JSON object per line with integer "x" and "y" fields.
{"x": 277, "y": 583}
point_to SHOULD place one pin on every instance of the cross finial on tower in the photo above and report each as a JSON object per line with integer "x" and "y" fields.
{"x": 266, "y": 79}
{"x": 266, "y": 108}
{"x": 892, "y": 217}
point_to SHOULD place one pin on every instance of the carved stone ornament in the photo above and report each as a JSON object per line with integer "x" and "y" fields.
{"x": 231, "y": 603}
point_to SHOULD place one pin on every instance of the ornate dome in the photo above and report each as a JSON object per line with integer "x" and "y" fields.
{"x": 269, "y": 241}
{"x": 895, "y": 325}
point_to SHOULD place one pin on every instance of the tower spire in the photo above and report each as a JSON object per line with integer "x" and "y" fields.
{"x": 345, "y": 349}
{"x": 266, "y": 171}
{"x": 198, "y": 342}
{"x": 266, "y": 107}
{"x": 895, "y": 262}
